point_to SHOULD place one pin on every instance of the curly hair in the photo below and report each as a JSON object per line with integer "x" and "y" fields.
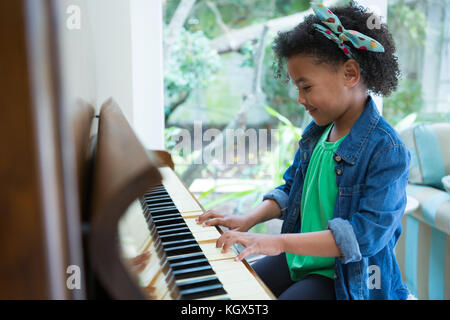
{"x": 379, "y": 71}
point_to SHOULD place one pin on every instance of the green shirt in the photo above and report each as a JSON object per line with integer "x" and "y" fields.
{"x": 317, "y": 207}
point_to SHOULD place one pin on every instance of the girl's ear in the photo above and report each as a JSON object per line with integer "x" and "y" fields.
{"x": 352, "y": 73}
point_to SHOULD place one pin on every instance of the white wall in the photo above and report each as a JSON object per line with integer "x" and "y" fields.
{"x": 147, "y": 65}
{"x": 116, "y": 52}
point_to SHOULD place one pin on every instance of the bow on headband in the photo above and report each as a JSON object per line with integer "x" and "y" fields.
{"x": 337, "y": 33}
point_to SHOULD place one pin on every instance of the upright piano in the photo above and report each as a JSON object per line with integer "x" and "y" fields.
{"x": 144, "y": 241}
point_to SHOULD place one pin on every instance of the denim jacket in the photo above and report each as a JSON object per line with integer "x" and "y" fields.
{"x": 372, "y": 166}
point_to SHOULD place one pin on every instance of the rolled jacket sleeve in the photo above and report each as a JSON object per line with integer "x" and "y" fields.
{"x": 380, "y": 209}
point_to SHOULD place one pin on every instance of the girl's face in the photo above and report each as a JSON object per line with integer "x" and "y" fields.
{"x": 322, "y": 90}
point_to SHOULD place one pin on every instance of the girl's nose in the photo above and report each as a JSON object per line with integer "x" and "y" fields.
{"x": 301, "y": 99}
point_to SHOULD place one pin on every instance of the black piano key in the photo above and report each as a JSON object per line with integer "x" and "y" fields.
{"x": 202, "y": 292}
{"x": 187, "y": 273}
{"x": 163, "y": 209}
{"x": 165, "y": 216}
{"x": 160, "y": 211}
{"x": 194, "y": 283}
{"x": 171, "y": 226}
{"x": 169, "y": 232}
{"x": 168, "y": 221}
{"x": 157, "y": 198}
{"x": 200, "y": 285}
{"x": 160, "y": 191}
{"x": 171, "y": 244}
{"x": 176, "y": 236}
{"x": 178, "y": 250}
{"x": 186, "y": 257}
{"x": 156, "y": 206}
{"x": 189, "y": 264}
{"x": 174, "y": 230}
{"x": 161, "y": 214}
{"x": 157, "y": 187}
{"x": 160, "y": 203}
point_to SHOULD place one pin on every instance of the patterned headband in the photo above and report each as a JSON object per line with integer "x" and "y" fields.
{"x": 337, "y": 33}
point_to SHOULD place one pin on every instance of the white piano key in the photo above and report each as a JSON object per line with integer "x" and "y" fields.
{"x": 184, "y": 200}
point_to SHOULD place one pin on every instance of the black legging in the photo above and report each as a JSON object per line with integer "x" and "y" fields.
{"x": 274, "y": 271}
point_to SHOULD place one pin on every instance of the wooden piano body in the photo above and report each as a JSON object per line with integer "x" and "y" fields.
{"x": 139, "y": 210}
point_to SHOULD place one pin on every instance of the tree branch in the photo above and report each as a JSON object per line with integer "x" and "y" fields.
{"x": 236, "y": 38}
{"x": 175, "y": 26}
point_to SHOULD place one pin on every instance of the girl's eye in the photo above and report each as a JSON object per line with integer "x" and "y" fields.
{"x": 306, "y": 88}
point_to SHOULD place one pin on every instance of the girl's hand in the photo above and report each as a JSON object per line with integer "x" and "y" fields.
{"x": 233, "y": 222}
{"x": 268, "y": 244}
{"x": 139, "y": 263}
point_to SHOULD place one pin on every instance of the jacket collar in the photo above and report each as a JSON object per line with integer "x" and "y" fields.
{"x": 351, "y": 147}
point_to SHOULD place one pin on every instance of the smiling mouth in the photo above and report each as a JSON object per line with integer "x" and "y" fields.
{"x": 311, "y": 110}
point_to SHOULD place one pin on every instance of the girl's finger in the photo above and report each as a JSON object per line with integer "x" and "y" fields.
{"x": 235, "y": 237}
{"x": 246, "y": 252}
{"x": 222, "y": 239}
{"x": 215, "y": 222}
{"x": 208, "y": 215}
{"x": 142, "y": 258}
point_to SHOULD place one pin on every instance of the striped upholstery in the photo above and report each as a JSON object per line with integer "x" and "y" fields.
{"x": 423, "y": 250}
{"x": 428, "y": 144}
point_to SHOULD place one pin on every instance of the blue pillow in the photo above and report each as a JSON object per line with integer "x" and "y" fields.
{"x": 446, "y": 183}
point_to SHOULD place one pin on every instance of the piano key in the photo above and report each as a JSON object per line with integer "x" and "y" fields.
{"x": 165, "y": 216}
{"x": 202, "y": 292}
{"x": 212, "y": 253}
{"x": 161, "y": 210}
{"x": 184, "y": 264}
{"x": 185, "y": 257}
{"x": 156, "y": 189}
{"x": 176, "y": 236}
{"x": 202, "y": 285}
{"x": 182, "y": 249}
{"x": 170, "y": 226}
{"x": 184, "y": 200}
{"x": 194, "y": 227}
{"x": 171, "y": 244}
{"x": 193, "y": 272}
{"x": 155, "y": 206}
{"x": 168, "y": 221}
{"x": 174, "y": 230}
{"x": 234, "y": 276}
{"x": 191, "y": 214}
{"x": 158, "y": 197}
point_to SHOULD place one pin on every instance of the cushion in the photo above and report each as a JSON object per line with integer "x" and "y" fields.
{"x": 446, "y": 183}
{"x": 434, "y": 206}
{"x": 429, "y": 145}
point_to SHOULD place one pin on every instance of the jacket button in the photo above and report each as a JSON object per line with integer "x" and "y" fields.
{"x": 339, "y": 172}
{"x": 305, "y": 155}
{"x": 335, "y": 276}
{"x": 338, "y": 159}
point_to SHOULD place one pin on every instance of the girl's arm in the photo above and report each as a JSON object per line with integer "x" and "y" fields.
{"x": 320, "y": 243}
{"x": 267, "y": 210}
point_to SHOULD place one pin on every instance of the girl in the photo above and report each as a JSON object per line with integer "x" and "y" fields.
{"x": 344, "y": 194}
